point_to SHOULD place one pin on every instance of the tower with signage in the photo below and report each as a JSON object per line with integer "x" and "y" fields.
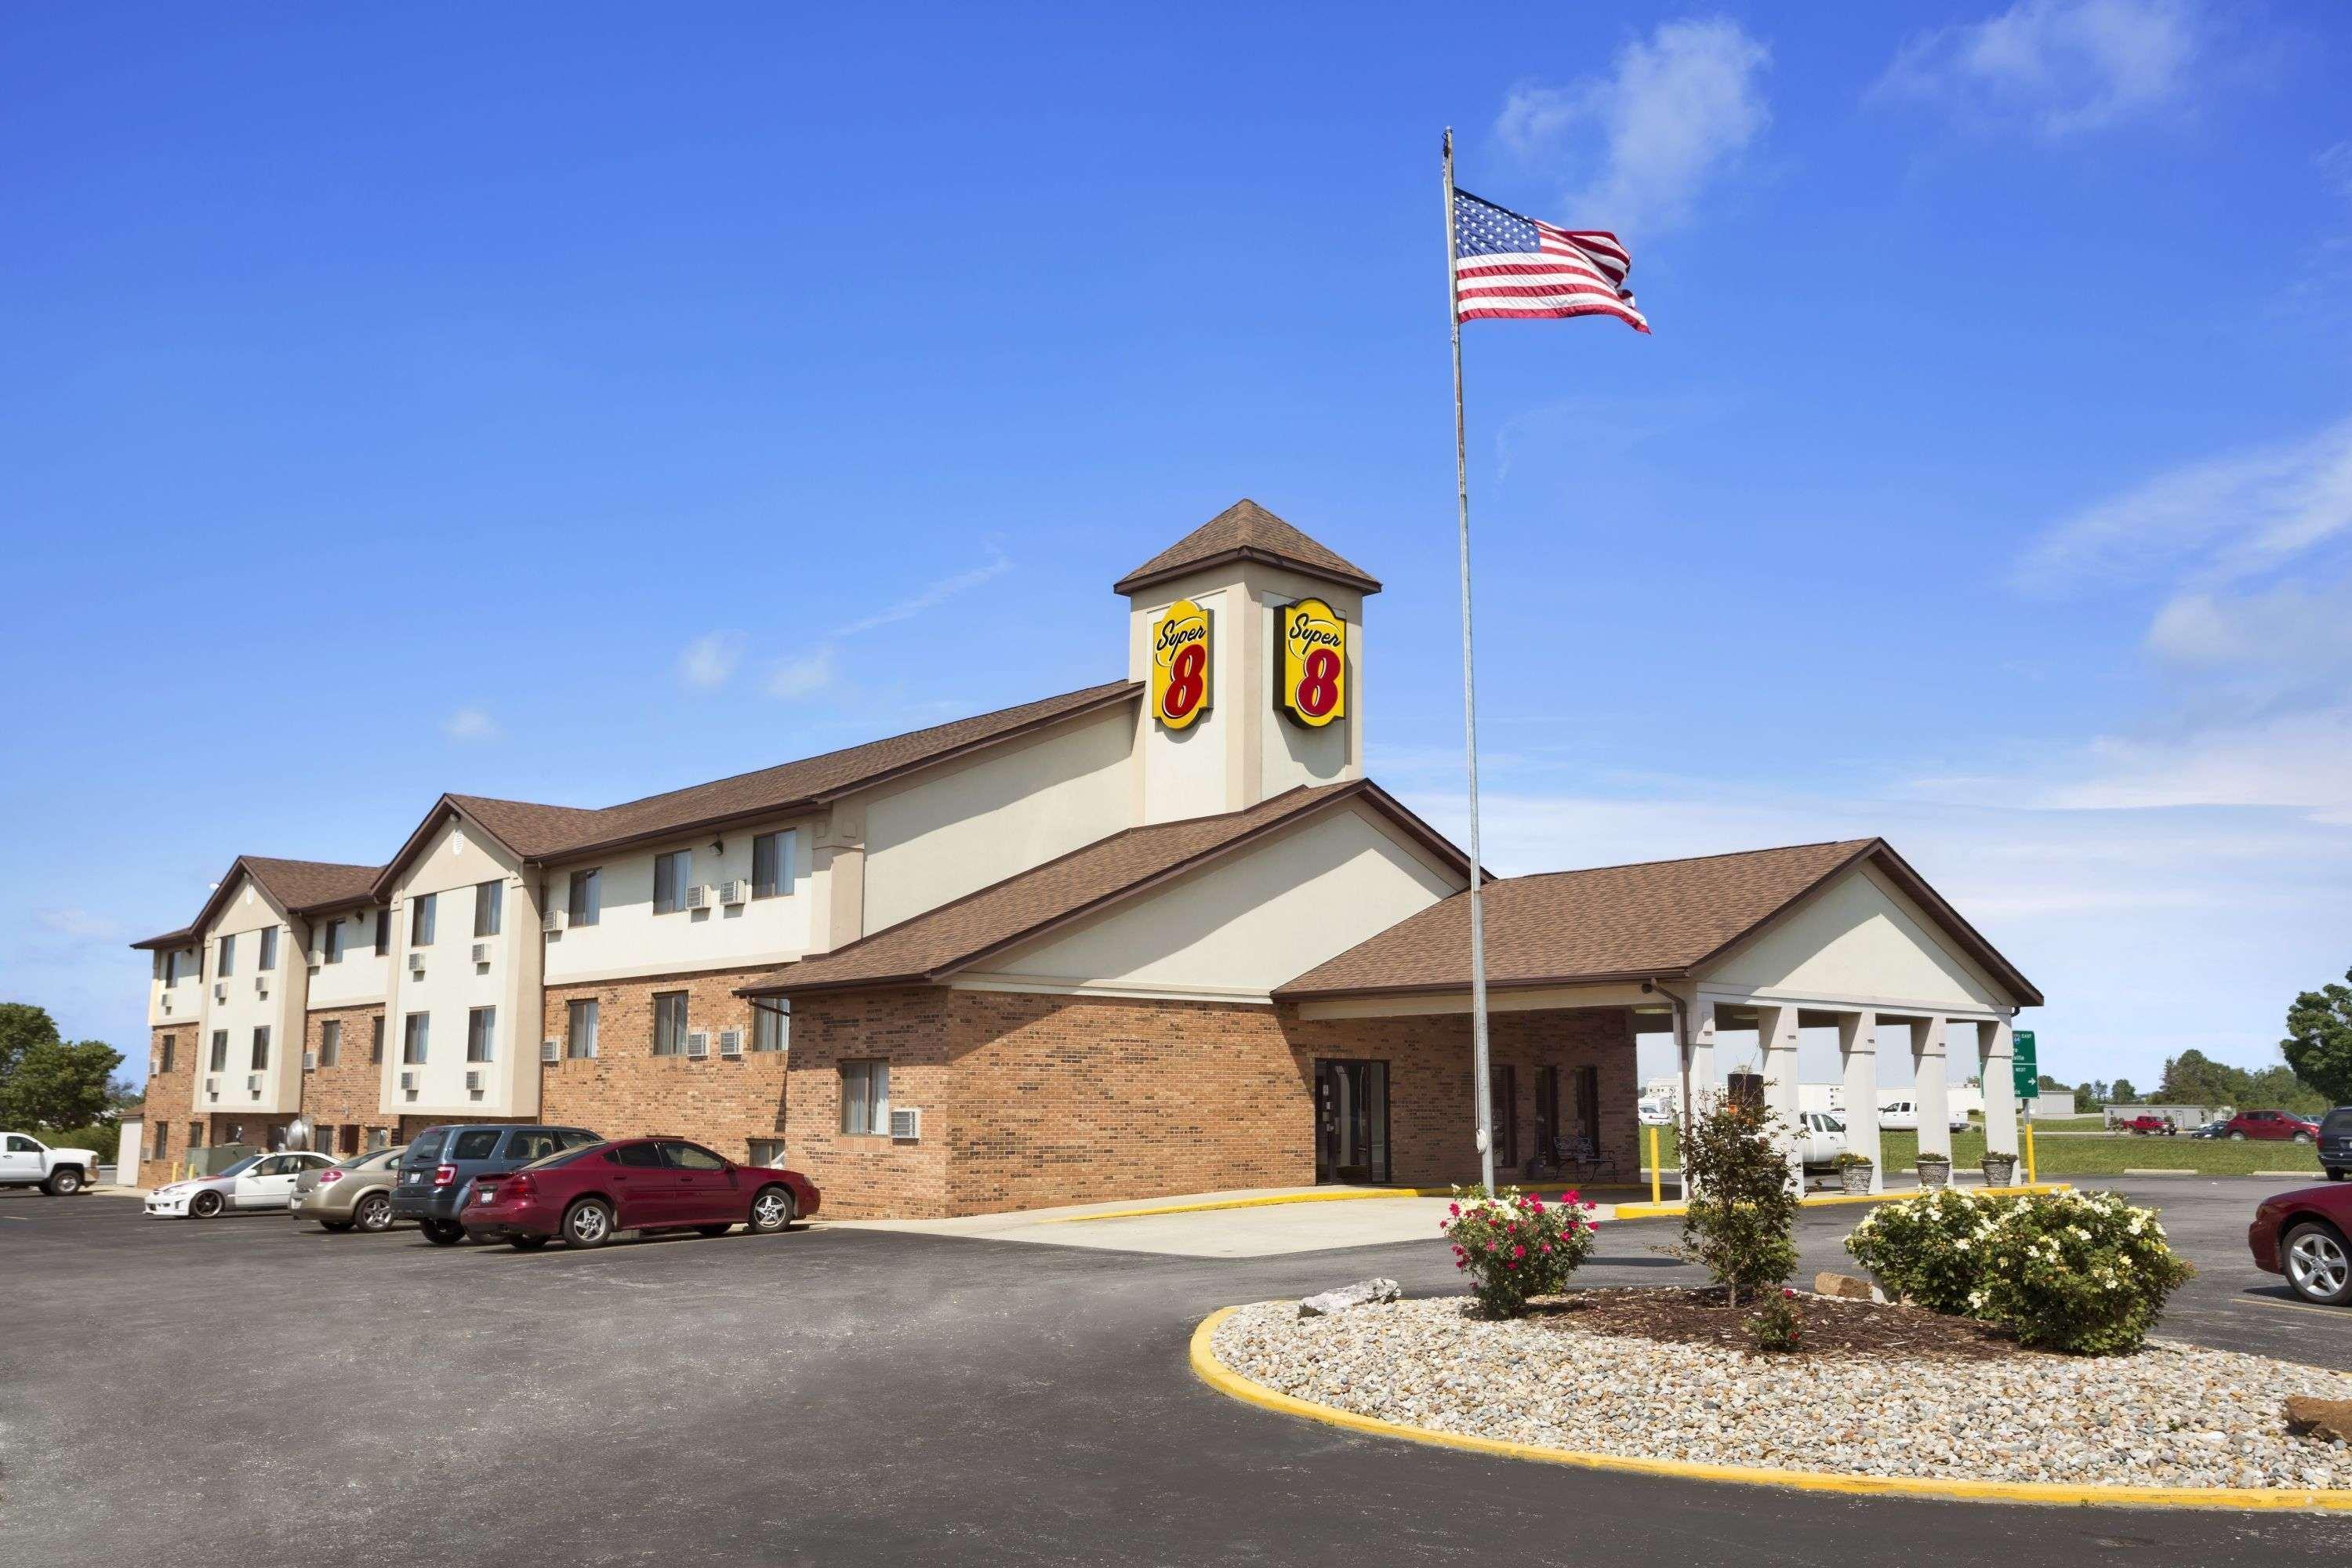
{"x": 1248, "y": 639}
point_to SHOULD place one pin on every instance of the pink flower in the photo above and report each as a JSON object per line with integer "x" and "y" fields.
{"x": 1455, "y": 1209}
{"x": 1546, "y": 1249}
{"x": 1519, "y": 1252}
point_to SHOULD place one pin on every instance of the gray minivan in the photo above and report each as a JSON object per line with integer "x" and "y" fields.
{"x": 442, "y": 1162}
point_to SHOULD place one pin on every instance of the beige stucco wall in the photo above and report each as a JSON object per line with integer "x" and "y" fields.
{"x": 1861, "y": 940}
{"x": 1191, "y": 772}
{"x": 962, "y": 827}
{"x": 361, "y": 977}
{"x": 238, "y": 1005}
{"x": 1246, "y": 925}
{"x": 182, "y": 1003}
{"x": 451, "y": 865}
{"x": 629, "y": 938}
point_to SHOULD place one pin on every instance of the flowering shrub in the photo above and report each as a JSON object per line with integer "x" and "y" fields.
{"x": 2082, "y": 1272}
{"x": 1514, "y": 1246}
{"x": 1931, "y": 1250}
{"x": 1777, "y": 1326}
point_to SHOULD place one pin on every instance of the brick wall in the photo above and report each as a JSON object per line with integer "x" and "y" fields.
{"x": 864, "y": 1177}
{"x": 626, "y": 1091}
{"x": 170, "y": 1097}
{"x": 345, "y": 1099}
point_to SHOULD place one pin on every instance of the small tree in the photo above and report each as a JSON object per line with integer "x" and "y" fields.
{"x": 1741, "y": 1219}
{"x": 2318, "y": 1046}
{"x": 47, "y": 1081}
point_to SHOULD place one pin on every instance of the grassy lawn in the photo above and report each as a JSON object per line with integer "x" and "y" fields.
{"x": 2101, "y": 1156}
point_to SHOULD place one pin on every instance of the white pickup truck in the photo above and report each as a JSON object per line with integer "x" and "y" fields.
{"x": 26, "y": 1161}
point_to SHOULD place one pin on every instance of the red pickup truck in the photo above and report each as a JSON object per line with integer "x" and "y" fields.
{"x": 2150, "y": 1123}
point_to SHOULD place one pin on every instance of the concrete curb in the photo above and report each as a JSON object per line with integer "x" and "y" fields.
{"x": 1226, "y": 1381}
{"x": 1831, "y": 1200}
{"x": 1254, "y": 1203}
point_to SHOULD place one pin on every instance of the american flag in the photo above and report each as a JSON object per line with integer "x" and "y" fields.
{"x": 1513, "y": 267}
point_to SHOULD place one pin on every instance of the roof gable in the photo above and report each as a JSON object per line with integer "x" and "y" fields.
{"x": 1248, "y": 531}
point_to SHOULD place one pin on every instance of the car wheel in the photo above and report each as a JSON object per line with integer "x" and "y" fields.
{"x": 444, "y": 1232}
{"x": 772, "y": 1211}
{"x": 2317, "y": 1265}
{"x": 2302, "y": 1138}
{"x": 337, "y": 1226}
{"x": 588, "y": 1223}
{"x": 526, "y": 1243}
{"x": 204, "y": 1205}
{"x": 2237, "y": 1137}
{"x": 63, "y": 1182}
{"x": 2334, "y": 1172}
{"x": 375, "y": 1213}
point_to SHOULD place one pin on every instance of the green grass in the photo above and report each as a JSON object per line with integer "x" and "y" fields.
{"x": 2109, "y": 1156}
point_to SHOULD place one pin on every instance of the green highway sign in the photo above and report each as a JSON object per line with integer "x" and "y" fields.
{"x": 2024, "y": 1070}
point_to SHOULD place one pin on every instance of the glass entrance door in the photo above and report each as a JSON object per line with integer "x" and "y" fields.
{"x": 1351, "y": 1121}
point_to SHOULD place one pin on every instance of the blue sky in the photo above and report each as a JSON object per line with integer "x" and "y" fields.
{"x": 569, "y": 403}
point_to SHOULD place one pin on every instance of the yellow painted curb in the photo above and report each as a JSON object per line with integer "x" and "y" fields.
{"x": 1830, "y": 1200}
{"x": 1225, "y": 1381}
{"x": 1253, "y": 1204}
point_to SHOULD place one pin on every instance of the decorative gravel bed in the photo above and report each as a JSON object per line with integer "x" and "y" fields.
{"x": 2174, "y": 1415}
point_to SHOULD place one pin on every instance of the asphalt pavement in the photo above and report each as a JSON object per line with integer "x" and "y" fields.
{"x": 245, "y": 1392}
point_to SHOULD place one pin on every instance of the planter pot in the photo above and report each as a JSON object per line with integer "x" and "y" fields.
{"x": 1854, "y": 1178}
{"x": 1999, "y": 1170}
{"x": 1935, "y": 1172}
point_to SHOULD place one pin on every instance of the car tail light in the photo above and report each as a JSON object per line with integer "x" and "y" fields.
{"x": 517, "y": 1186}
{"x": 444, "y": 1175}
{"x": 326, "y": 1176}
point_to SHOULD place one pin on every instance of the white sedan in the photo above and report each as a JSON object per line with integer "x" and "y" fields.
{"x": 256, "y": 1182}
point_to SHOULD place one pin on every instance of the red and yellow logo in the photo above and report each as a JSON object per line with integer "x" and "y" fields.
{"x": 1179, "y": 664}
{"x": 1311, "y": 681}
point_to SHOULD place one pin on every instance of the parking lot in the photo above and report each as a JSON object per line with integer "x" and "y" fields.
{"x": 243, "y": 1391}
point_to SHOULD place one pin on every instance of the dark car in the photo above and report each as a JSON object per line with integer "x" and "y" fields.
{"x": 2336, "y": 1142}
{"x": 2300, "y": 1234}
{"x": 443, "y": 1162}
{"x": 2213, "y": 1129}
{"x": 633, "y": 1184}
{"x": 2278, "y": 1126}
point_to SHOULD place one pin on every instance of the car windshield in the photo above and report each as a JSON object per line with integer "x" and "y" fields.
{"x": 240, "y": 1168}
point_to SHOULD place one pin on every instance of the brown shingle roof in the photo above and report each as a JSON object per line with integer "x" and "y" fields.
{"x": 296, "y": 885}
{"x": 938, "y": 941}
{"x": 1247, "y": 530}
{"x": 1661, "y": 919}
{"x": 535, "y": 832}
{"x": 184, "y": 937}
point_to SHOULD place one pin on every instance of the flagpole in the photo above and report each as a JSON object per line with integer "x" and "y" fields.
{"x": 1482, "y": 1079}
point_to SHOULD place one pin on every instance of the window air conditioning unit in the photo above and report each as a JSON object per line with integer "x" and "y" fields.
{"x": 551, "y": 1050}
{"x": 212, "y": 1086}
{"x": 167, "y": 1001}
{"x": 552, "y": 920}
{"x": 698, "y": 897}
{"x": 698, "y": 1043}
{"x": 318, "y": 962}
{"x": 735, "y": 891}
{"x": 481, "y": 953}
{"x": 211, "y": 1094}
{"x": 905, "y": 1124}
{"x": 253, "y": 1083}
{"x": 220, "y": 990}
{"x": 416, "y": 965}
{"x": 730, "y": 1042}
{"x": 409, "y": 1082}
{"x": 473, "y": 1083}
{"x": 310, "y": 1061}
{"x": 261, "y": 984}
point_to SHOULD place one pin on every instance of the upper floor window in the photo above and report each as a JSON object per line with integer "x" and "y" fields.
{"x": 669, "y": 1023}
{"x": 260, "y": 1046}
{"x": 417, "y": 1034}
{"x": 330, "y": 1042}
{"x": 580, "y": 1027}
{"x": 489, "y": 905}
{"x": 330, "y": 945}
{"x": 220, "y": 1051}
{"x": 587, "y": 899}
{"x": 481, "y": 1028}
{"x": 420, "y": 920}
{"x": 671, "y": 873}
{"x": 268, "y": 959}
{"x": 172, "y": 967}
{"x": 226, "y": 966}
{"x": 771, "y": 864}
{"x": 382, "y": 931}
{"x": 772, "y": 1024}
{"x": 163, "y": 1063}
{"x": 375, "y": 1039}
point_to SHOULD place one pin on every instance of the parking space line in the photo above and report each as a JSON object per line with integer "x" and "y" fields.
{"x": 2337, "y": 1313}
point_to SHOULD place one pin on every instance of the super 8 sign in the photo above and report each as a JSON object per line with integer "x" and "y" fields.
{"x": 1311, "y": 677}
{"x": 1179, "y": 664}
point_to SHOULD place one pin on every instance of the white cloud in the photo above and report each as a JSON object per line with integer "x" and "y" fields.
{"x": 2057, "y": 66}
{"x": 804, "y": 676}
{"x": 1677, "y": 113}
{"x": 709, "y": 659}
{"x": 79, "y": 922}
{"x": 470, "y": 724}
{"x": 2335, "y": 167}
{"x": 930, "y": 597}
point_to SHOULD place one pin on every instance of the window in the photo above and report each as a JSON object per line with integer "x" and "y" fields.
{"x": 268, "y": 959}
{"x": 671, "y": 873}
{"x": 489, "y": 904}
{"x": 330, "y": 945}
{"x": 382, "y": 933}
{"x": 376, "y": 1040}
{"x": 537, "y": 1144}
{"x": 772, "y": 1024}
{"x": 580, "y": 1028}
{"x": 481, "y": 1026}
{"x": 220, "y": 1051}
{"x": 164, "y": 1065}
{"x": 771, "y": 864}
{"x": 420, "y": 920}
{"x": 163, "y": 1141}
{"x": 637, "y": 1157}
{"x": 1503, "y": 1089}
{"x": 474, "y": 1143}
{"x": 227, "y": 965}
{"x": 587, "y": 901}
{"x": 866, "y": 1097}
{"x": 766, "y": 1153}
{"x": 685, "y": 1156}
{"x": 330, "y": 1042}
{"x": 379, "y": 1138}
{"x": 260, "y": 1046}
{"x": 669, "y": 1023}
{"x": 20, "y": 1144}
{"x": 417, "y": 1036}
{"x": 171, "y": 968}
{"x": 195, "y": 1134}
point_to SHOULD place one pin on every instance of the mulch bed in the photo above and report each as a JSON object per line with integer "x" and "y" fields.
{"x": 1832, "y": 1327}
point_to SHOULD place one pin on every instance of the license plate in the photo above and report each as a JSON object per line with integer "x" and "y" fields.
{"x": 412, "y": 1177}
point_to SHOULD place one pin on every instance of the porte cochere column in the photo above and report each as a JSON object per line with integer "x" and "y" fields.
{"x": 1930, "y": 1090}
{"x": 1776, "y": 1034}
{"x": 1858, "y": 1048}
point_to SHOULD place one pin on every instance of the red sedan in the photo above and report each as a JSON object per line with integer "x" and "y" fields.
{"x": 2302, "y": 1234}
{"x": 633, "y": 1184}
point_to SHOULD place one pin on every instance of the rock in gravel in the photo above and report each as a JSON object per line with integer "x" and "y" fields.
{"x": 2328, "y": 1418}
{"x": 1846, "y": 1288}
{"x": 1363, "y": 1293}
